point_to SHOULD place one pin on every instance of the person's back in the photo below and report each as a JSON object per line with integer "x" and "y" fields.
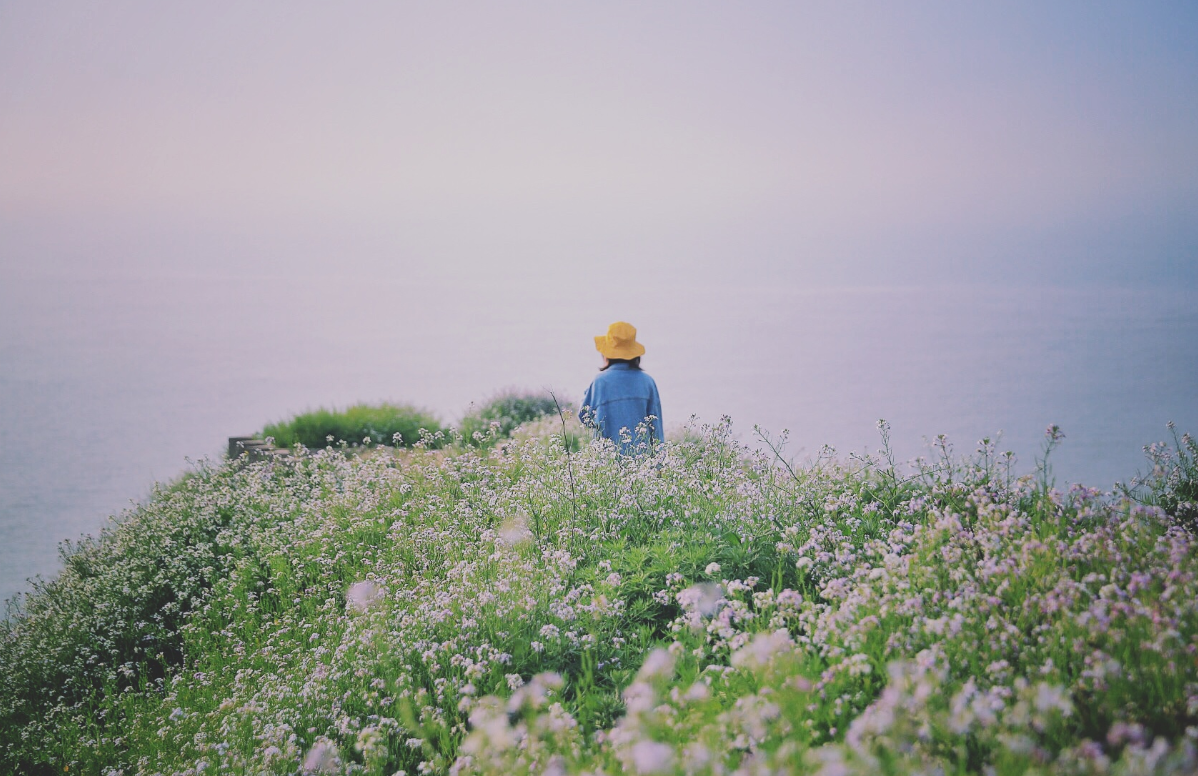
{"x": 622, "y": 402}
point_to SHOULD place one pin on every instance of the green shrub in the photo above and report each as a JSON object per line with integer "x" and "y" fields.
{"x": 378, "y": 423}
{"x": 507, "y": 410}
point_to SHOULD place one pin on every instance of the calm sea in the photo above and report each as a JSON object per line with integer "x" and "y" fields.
{"x": 111, "y": 384}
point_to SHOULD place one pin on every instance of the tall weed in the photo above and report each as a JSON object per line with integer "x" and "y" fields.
{"x": 1172, "y": 481}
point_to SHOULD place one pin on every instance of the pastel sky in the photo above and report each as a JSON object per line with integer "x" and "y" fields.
{"x": 837, "y": 142}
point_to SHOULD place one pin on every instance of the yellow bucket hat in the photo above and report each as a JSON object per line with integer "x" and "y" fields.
{"x": 619, "y": 342}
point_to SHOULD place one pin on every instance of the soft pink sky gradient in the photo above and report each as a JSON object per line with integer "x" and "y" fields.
{"x": 820, "y": 141}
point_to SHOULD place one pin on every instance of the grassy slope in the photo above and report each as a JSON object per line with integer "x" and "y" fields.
{"x": 824, "y": 618}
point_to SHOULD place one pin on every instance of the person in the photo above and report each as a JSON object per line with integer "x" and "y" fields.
{"x": 622, "y": 403}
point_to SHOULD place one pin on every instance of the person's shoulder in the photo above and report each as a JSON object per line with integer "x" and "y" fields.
{"x": 603, "y": 379}
{"x": 646, "y": 379}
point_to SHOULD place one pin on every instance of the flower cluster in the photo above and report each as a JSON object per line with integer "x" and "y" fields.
{"x": 543, "y": 606}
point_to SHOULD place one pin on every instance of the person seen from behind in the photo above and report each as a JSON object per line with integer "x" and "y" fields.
{"x": 622, "y": 403}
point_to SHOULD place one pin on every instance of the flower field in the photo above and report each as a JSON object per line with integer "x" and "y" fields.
{"x": 529, "y": 608}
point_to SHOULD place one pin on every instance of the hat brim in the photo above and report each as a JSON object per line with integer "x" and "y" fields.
{"x": 628, "y": 350}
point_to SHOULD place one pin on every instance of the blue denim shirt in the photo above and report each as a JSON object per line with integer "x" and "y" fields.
{"x": 621, "y": 397}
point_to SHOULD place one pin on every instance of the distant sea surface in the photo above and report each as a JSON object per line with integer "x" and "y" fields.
{"x": 110, "y": 384}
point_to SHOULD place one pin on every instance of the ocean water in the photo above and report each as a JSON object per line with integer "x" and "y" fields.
{"x": 110, "y": 383}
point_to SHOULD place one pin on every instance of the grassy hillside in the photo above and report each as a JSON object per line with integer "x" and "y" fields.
{"x": 703, "y": 609}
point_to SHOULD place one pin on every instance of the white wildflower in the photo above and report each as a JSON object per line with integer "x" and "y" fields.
{"x": 363, "y": 596}
{"x": 1053, "y": 697}
{"x": 660, "y": 663}
{"x": 514, "y": 531}
{"x": 761, "y": 650}
{"x": 322, "y": 758}
{"x": 371, "y": 742}
{"x": 491, "y": 731}
{"x": 536, "y": 693}
{"x": 705, "y": 599}
{"x": 652, "y": 757}
{"x": 830, "y": 760}
{"x": 695, "y": 757}
{"x": 639, "y": 697}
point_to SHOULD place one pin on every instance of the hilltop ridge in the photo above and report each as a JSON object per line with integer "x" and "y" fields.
{"x": 532, "y": 607}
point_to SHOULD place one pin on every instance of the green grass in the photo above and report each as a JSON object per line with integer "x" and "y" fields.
{"x": 381, "y": 424}
{"x": 538, "y": 607}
